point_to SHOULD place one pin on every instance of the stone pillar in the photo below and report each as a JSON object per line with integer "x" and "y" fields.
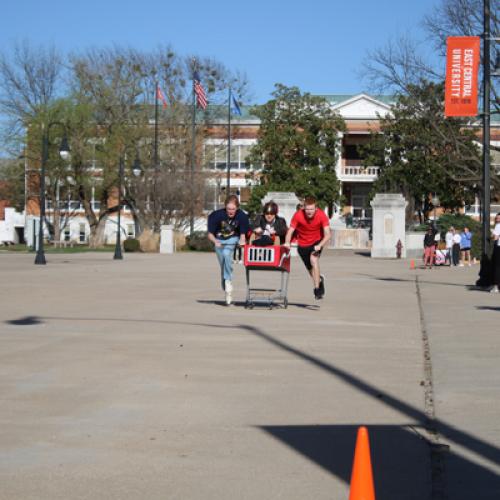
{"x": 388, "y": 225}
{"x": 167, "y": 239}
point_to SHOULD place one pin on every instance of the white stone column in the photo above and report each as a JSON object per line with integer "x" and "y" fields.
{"x": 338, "y": 165}
{"x": 388, "y": 225}
{"x": 167, "y": 239}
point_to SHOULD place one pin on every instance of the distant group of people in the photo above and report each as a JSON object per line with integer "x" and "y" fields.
{"x": 454, "y": 249}
{"x": 230, "y": 227}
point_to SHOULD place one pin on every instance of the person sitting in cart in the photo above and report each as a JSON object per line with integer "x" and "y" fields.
{"x": 312, "y": 229}
{"x": 226, "y": 228}
{"x": 269, "y": 228}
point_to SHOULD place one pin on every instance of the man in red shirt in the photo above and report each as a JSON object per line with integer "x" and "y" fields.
{"x": 312, "y": 229}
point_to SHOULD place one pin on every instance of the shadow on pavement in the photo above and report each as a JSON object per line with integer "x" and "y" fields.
{"x": 26, "y": 320}
{"x": 322, "y": 443}
{"x": 472, "y": 288}
{"x": 473, "y": 477}
{"x": 263, "y": 305}
{"x": 488, "y": 308}
{"x": 396, "y": 453}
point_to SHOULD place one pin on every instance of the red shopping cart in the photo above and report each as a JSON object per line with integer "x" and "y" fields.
{"x": 270, "y": 258}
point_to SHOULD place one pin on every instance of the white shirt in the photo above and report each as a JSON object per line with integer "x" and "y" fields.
{"x": 449, "y": 239}
{"x": 496, "y": 232}
{"x": 456, "y": 238}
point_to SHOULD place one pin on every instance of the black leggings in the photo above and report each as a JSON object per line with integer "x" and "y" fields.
{"x": 495, "y": 265}
{"x": 455, "y": 254}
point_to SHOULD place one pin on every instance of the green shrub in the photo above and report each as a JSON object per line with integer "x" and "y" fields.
{"x": 131, "y": 245}
{"x": 199, "y": 242}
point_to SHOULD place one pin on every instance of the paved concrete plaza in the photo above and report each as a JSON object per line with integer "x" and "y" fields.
{"x": 131, "y": 380}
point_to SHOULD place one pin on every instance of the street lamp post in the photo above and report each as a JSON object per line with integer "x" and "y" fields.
{"x": 64, "y": 152}
{"x": 485, "y": 271}
{"x": 118, "y": 248}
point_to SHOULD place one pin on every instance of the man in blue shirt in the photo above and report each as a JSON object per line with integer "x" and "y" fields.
{"x": 227, "y": 227}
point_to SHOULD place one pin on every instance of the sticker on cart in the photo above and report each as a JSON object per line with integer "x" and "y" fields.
{"x": 260, "y": 254}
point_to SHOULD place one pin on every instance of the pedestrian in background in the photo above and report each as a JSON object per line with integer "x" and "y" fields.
{"x": 495, "y": 261}
{"x": 449, "y": 244}
{"x": 429, "y": 248}
{"x": 455, "y": 249}
{"x": 465, "y": 245}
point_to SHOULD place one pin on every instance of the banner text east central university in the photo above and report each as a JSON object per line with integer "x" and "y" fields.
{"x": 462, "y": 63}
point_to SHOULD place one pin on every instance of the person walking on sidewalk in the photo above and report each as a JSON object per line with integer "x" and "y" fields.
{"x": 226, "y": 228}
{"x": 429, "y": 248}
{"x": 465, "y": 245}
{"x": 312, "y": 229}
{"x": 495, "y": 261}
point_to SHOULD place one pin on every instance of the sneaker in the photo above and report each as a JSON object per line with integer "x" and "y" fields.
{"x": 322, "y": 284}
{"x": 317, "y": 294}
{"x": 229, "y": 292}
{"x": 494, "y": 289}
{"x": 460, "y": 265}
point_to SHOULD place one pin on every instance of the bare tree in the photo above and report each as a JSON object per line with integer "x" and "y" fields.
{"x": 30, "y": 80}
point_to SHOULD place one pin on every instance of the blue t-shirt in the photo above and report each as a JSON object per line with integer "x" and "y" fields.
{"x": 465, "y": 240}
{"x": 223, "y": 228}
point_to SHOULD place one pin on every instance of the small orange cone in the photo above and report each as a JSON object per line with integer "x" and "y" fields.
{"x": 412, "y": 264}
{"x": 362, "y": 477}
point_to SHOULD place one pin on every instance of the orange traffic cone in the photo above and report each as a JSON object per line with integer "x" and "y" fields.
{"x": 412, "y": 264}
{"x": 362, "y": 477}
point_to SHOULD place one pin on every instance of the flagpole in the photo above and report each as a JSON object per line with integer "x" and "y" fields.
{"x": 193, "y": 152}
{"x": 155, "y": 159}
{"x": 228, "y": 170}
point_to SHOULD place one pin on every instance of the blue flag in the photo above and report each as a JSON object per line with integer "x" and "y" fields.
{"x": 236, "y": 107}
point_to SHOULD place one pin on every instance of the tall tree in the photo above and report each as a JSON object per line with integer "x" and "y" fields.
{"x": 297, "y": 145}
{"x": 420, "y": 152}
{"x": 30, "y": 81}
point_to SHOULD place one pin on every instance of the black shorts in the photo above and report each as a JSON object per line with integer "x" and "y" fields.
{"x": 305, "y": 254}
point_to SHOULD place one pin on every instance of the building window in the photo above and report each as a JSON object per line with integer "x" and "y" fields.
{"x": 82, "y": 233}
{"x": 67, "y": 234}
{"x": 130, "y": 231}
{"x": 215, "y": 156}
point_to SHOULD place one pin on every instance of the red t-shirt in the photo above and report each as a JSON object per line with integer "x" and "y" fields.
{"x": 309, "y": 231}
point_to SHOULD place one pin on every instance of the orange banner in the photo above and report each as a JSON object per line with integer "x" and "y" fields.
{"x": 462, "y": 63}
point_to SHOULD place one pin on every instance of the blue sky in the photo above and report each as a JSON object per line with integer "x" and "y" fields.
{"x": 317, "y": 45}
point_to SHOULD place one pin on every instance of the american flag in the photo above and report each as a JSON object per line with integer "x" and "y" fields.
{"x": 201, "y": 97}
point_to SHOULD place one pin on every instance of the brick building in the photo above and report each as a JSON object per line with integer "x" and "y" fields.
{"x": 361, "y": 113}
